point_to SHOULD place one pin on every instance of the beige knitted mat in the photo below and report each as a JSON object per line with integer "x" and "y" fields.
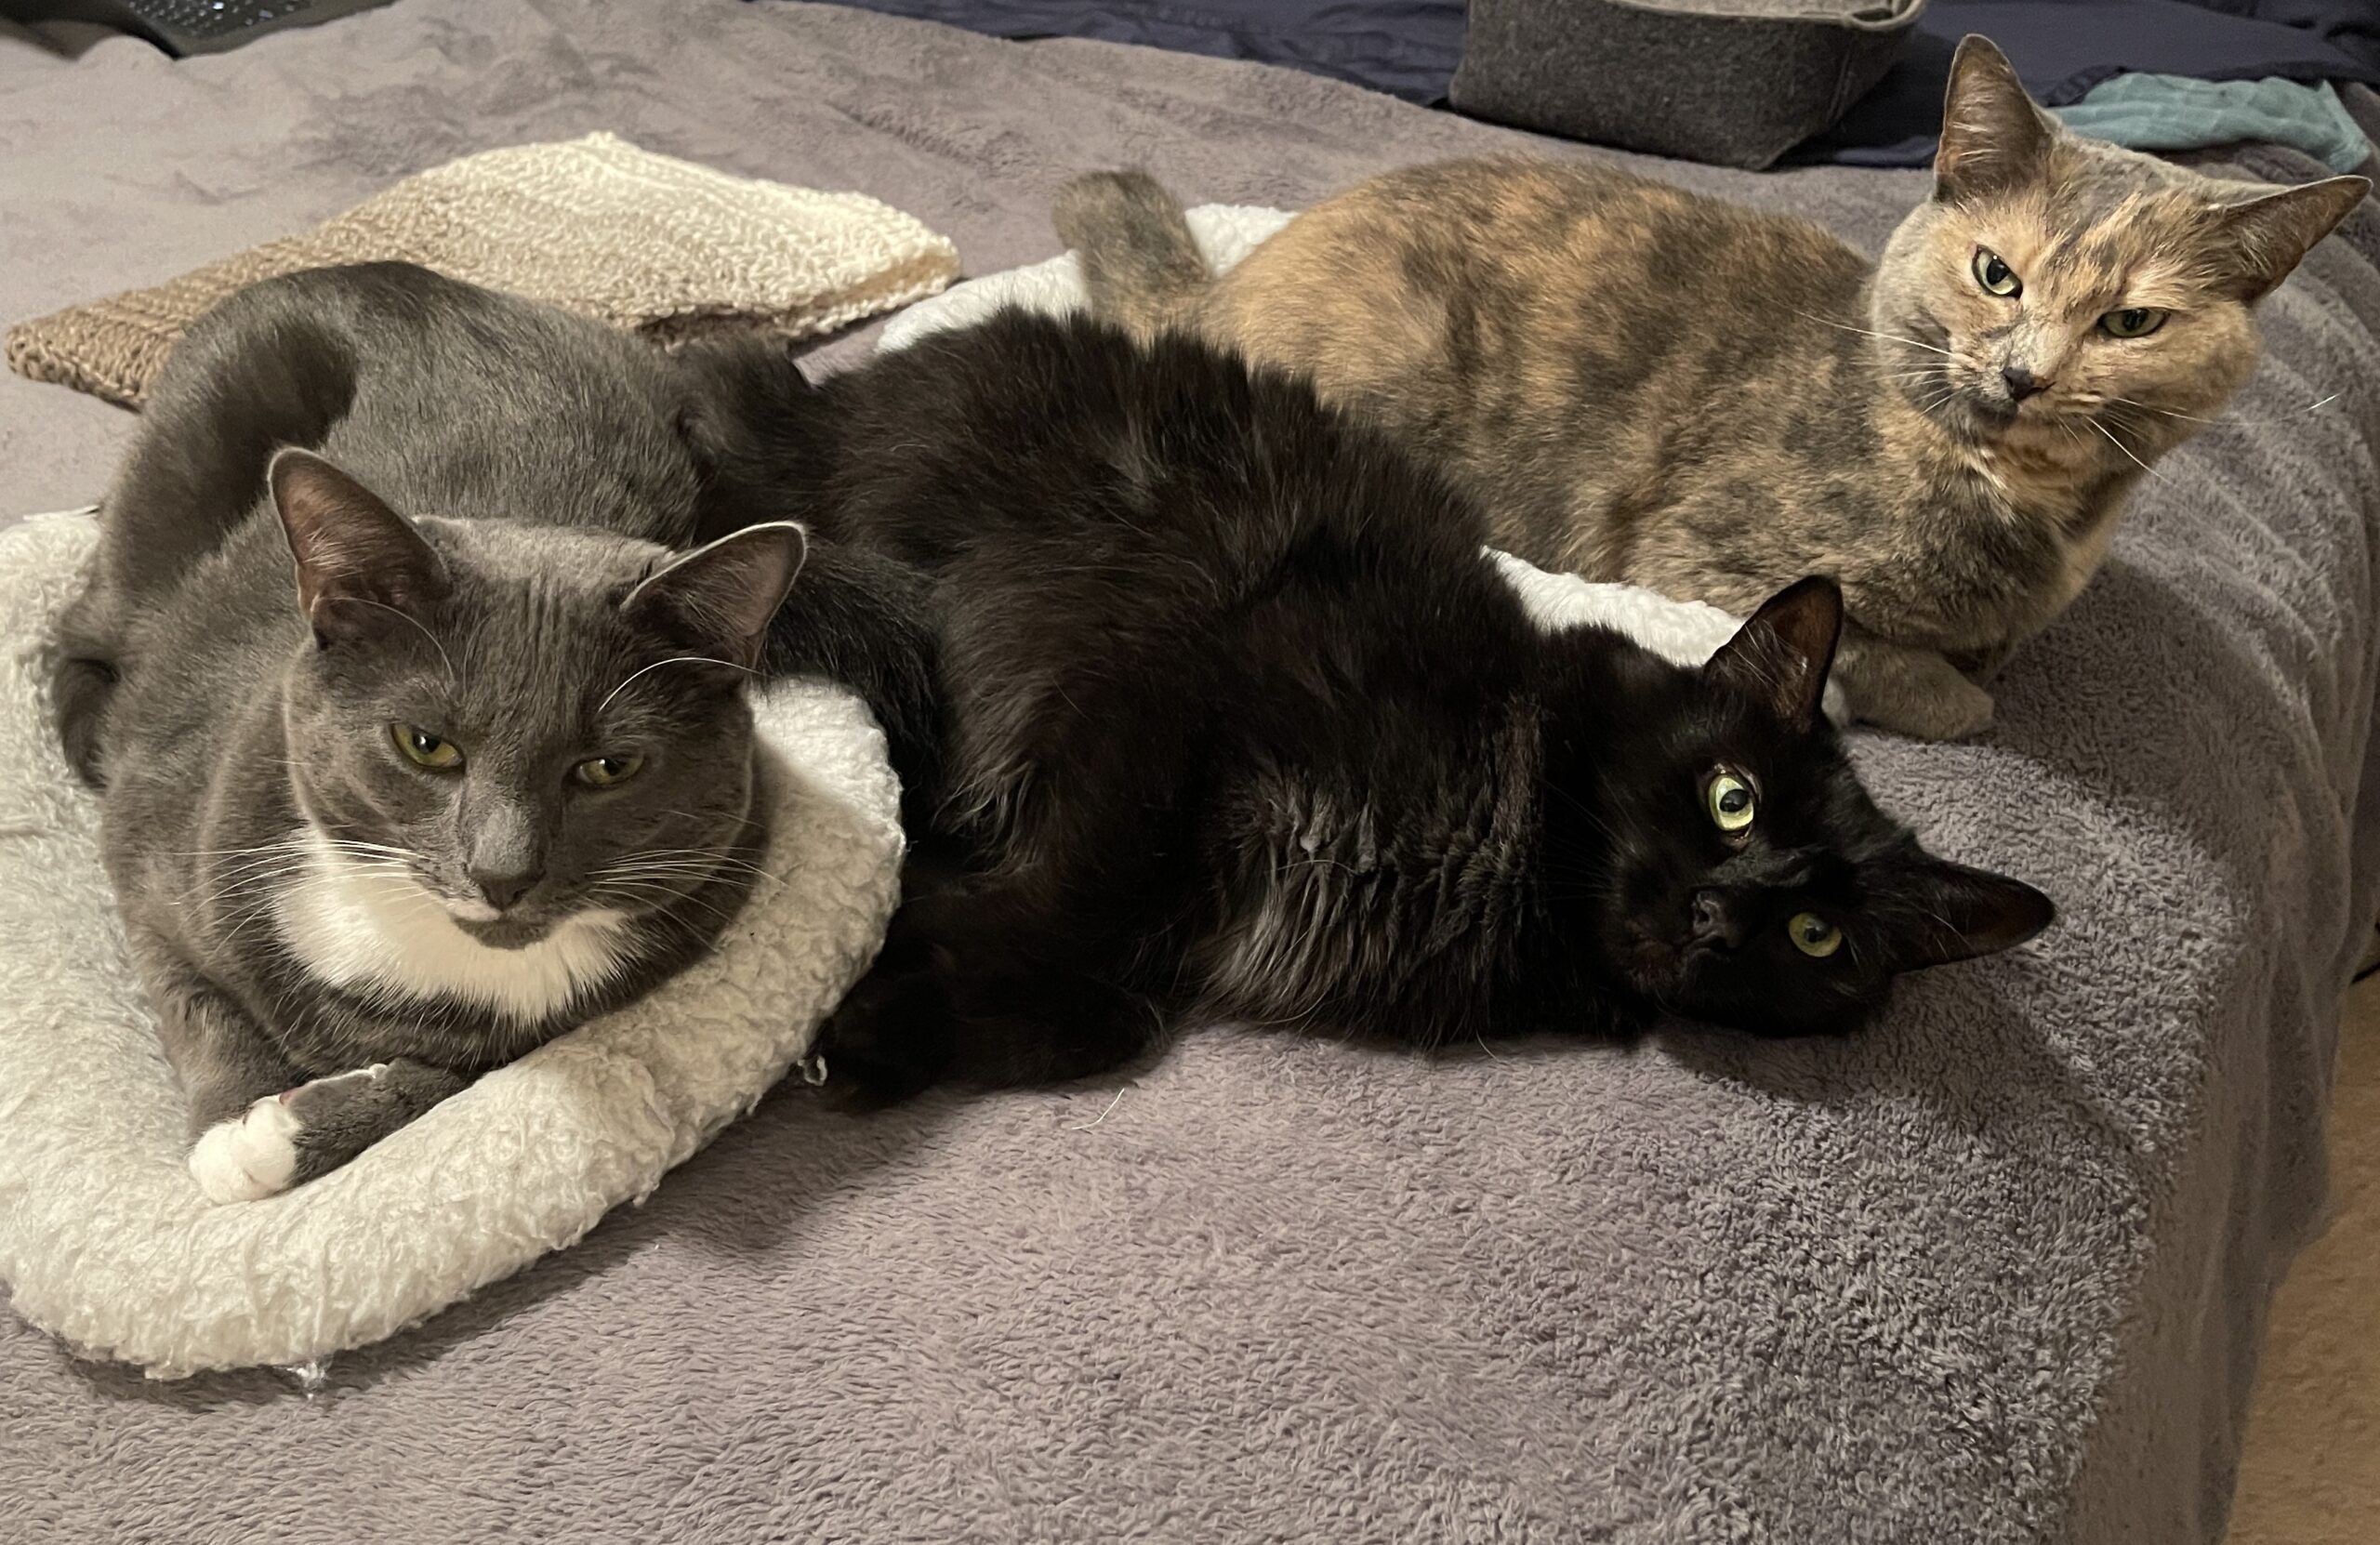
{"x": 595, "y": 225}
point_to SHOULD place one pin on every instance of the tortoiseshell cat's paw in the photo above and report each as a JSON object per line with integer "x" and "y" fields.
{"x": 1911, "y": 692}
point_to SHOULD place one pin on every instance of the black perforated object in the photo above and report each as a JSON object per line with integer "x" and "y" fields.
{"x": 183, "y": 27}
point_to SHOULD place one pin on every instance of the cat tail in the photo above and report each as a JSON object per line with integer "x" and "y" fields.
{"x": 1139, "y": 260}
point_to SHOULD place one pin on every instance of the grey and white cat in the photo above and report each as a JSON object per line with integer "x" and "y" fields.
{"x": 423, "y": 745}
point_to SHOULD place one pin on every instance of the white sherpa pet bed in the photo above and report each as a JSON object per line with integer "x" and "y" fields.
{"x": 1686, "y": 632}
{"x": 105, "y": 1240}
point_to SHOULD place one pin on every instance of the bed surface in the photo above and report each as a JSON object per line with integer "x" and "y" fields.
{"x": 1994, "y": 1272}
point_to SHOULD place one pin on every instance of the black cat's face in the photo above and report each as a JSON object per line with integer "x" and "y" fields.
{"x": 1753, "y": 884}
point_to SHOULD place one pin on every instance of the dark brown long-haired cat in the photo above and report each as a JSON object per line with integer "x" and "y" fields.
{"x": 1641, "y": 384}
{"x": 1242, "y": 721}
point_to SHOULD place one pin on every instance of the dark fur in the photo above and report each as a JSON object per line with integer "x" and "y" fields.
{"x": 1241, "y": 722}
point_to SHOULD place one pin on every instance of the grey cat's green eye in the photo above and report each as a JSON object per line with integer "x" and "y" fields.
{"x": 1813, "y": 935}
{"x": 424, "y": 749}
{"x": 1731, "y": 801}
{"x": 2137, "y": 321}
{"x": 603, "y": 772}
{"x": 1996, "y": 276}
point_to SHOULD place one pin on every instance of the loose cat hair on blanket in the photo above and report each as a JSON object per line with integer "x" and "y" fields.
{"x": 426, "y": 744}
{"x": 1642, "y": 384}
{"x": 1242, "y": 723}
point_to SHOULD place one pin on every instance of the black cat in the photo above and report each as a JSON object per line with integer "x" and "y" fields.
{"x": 1239, "y": 722}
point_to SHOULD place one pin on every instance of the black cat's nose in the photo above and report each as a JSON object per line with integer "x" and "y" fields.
{"x": 502, "y": 887}
{"x": 2021, "y": 382}
{"x": 1713, "y": 922}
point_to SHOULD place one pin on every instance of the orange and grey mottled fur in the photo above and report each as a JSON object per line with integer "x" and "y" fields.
{"x": 1646, "y": 385}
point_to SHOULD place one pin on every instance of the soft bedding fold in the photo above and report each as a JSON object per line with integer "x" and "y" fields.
{"x": 1993, "y": 1273}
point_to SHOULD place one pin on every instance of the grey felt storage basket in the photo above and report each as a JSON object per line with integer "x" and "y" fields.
{"x": 1734, "y": 81}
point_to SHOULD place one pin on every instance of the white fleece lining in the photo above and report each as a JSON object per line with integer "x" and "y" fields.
{"x": 105, "y": 1240}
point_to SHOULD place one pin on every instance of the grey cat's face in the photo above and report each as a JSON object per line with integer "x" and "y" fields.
{"x": 2067, "y": 299}
{"x": 525, "y": 740}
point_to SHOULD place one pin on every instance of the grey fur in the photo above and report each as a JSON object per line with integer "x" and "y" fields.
{"x": 483, "y": 547}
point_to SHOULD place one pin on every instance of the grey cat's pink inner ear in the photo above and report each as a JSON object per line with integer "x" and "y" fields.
{"x": 2265, "y": 239}
{"x": 354, "y": 555}
{"x": 720, "y": 598}
{"x": 1993, "y": 138}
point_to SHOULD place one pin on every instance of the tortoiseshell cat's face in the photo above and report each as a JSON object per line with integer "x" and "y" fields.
{"x": 2070, "y": 299}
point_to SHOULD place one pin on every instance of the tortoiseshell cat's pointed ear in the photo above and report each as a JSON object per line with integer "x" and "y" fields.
{"x": 1781, "y": 656}
{"x": 361, "y": 567}
{"x": 2263, "y": 239}
{"x": 1993, "y": 138}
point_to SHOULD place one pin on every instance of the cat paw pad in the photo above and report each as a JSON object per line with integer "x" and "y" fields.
{"x": 250, "y": 1156}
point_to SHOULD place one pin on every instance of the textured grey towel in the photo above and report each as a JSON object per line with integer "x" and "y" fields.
{"x": 1993, "y": 1273}
{"x": 1736, "y": 82}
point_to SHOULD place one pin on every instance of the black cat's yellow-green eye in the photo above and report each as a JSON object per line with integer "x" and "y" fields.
{"x": 2136, "y": 323}
{"x": 1995, "y": 276}
{"x": 603, "y": 772}
{"x": 1813, "y": 935}
{"x": 1731, "y": 801}
{"x": 424, "y": 749}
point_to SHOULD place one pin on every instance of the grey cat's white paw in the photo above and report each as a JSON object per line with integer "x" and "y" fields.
{"x": 251, "y": 1157}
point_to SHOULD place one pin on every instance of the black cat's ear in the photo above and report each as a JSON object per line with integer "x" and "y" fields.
{"x": 1957, "y": 913}
{"x": 1781, "y": 656}
{"x": 1993, "y": 138}
{"x": 363, "y": 568}
{"x": 2260, "y": 243}
{"x": 719, "y": 598}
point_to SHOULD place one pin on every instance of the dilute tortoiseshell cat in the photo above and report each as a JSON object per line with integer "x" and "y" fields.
{"x": 1646, "y": 385}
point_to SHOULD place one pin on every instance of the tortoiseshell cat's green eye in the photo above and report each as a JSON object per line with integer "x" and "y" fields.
{"x": 2136, "y": 323}
{"x": 424, "y": 749}
{"x": 603, "y": 772}
{"x": 1814, "y": 936}
{"x": 1732, "y": 805}
{"x": 1995, "y": 276}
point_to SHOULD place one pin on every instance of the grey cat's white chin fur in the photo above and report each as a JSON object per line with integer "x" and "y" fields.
{"x": 371, "y": 930}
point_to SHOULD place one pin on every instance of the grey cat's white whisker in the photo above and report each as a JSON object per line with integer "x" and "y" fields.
{"x": 673, "y": 660}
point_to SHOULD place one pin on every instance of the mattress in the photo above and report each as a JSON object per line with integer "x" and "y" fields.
{"x": 1995, "y": 1270}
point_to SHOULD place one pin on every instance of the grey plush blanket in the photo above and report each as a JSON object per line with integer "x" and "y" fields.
{"x": 1995, "y": 1272}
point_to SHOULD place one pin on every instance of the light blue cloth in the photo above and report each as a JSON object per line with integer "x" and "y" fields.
{"x": 2173, "y": 112}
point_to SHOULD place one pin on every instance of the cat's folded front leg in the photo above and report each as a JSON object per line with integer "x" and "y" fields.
{"x": 285, "y": 1139}
{"x": 1916, "y": 691}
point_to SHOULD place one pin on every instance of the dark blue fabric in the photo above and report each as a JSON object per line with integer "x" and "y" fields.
{"x": 2064, "y": 47}
{"x": 1405, "y": 48}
